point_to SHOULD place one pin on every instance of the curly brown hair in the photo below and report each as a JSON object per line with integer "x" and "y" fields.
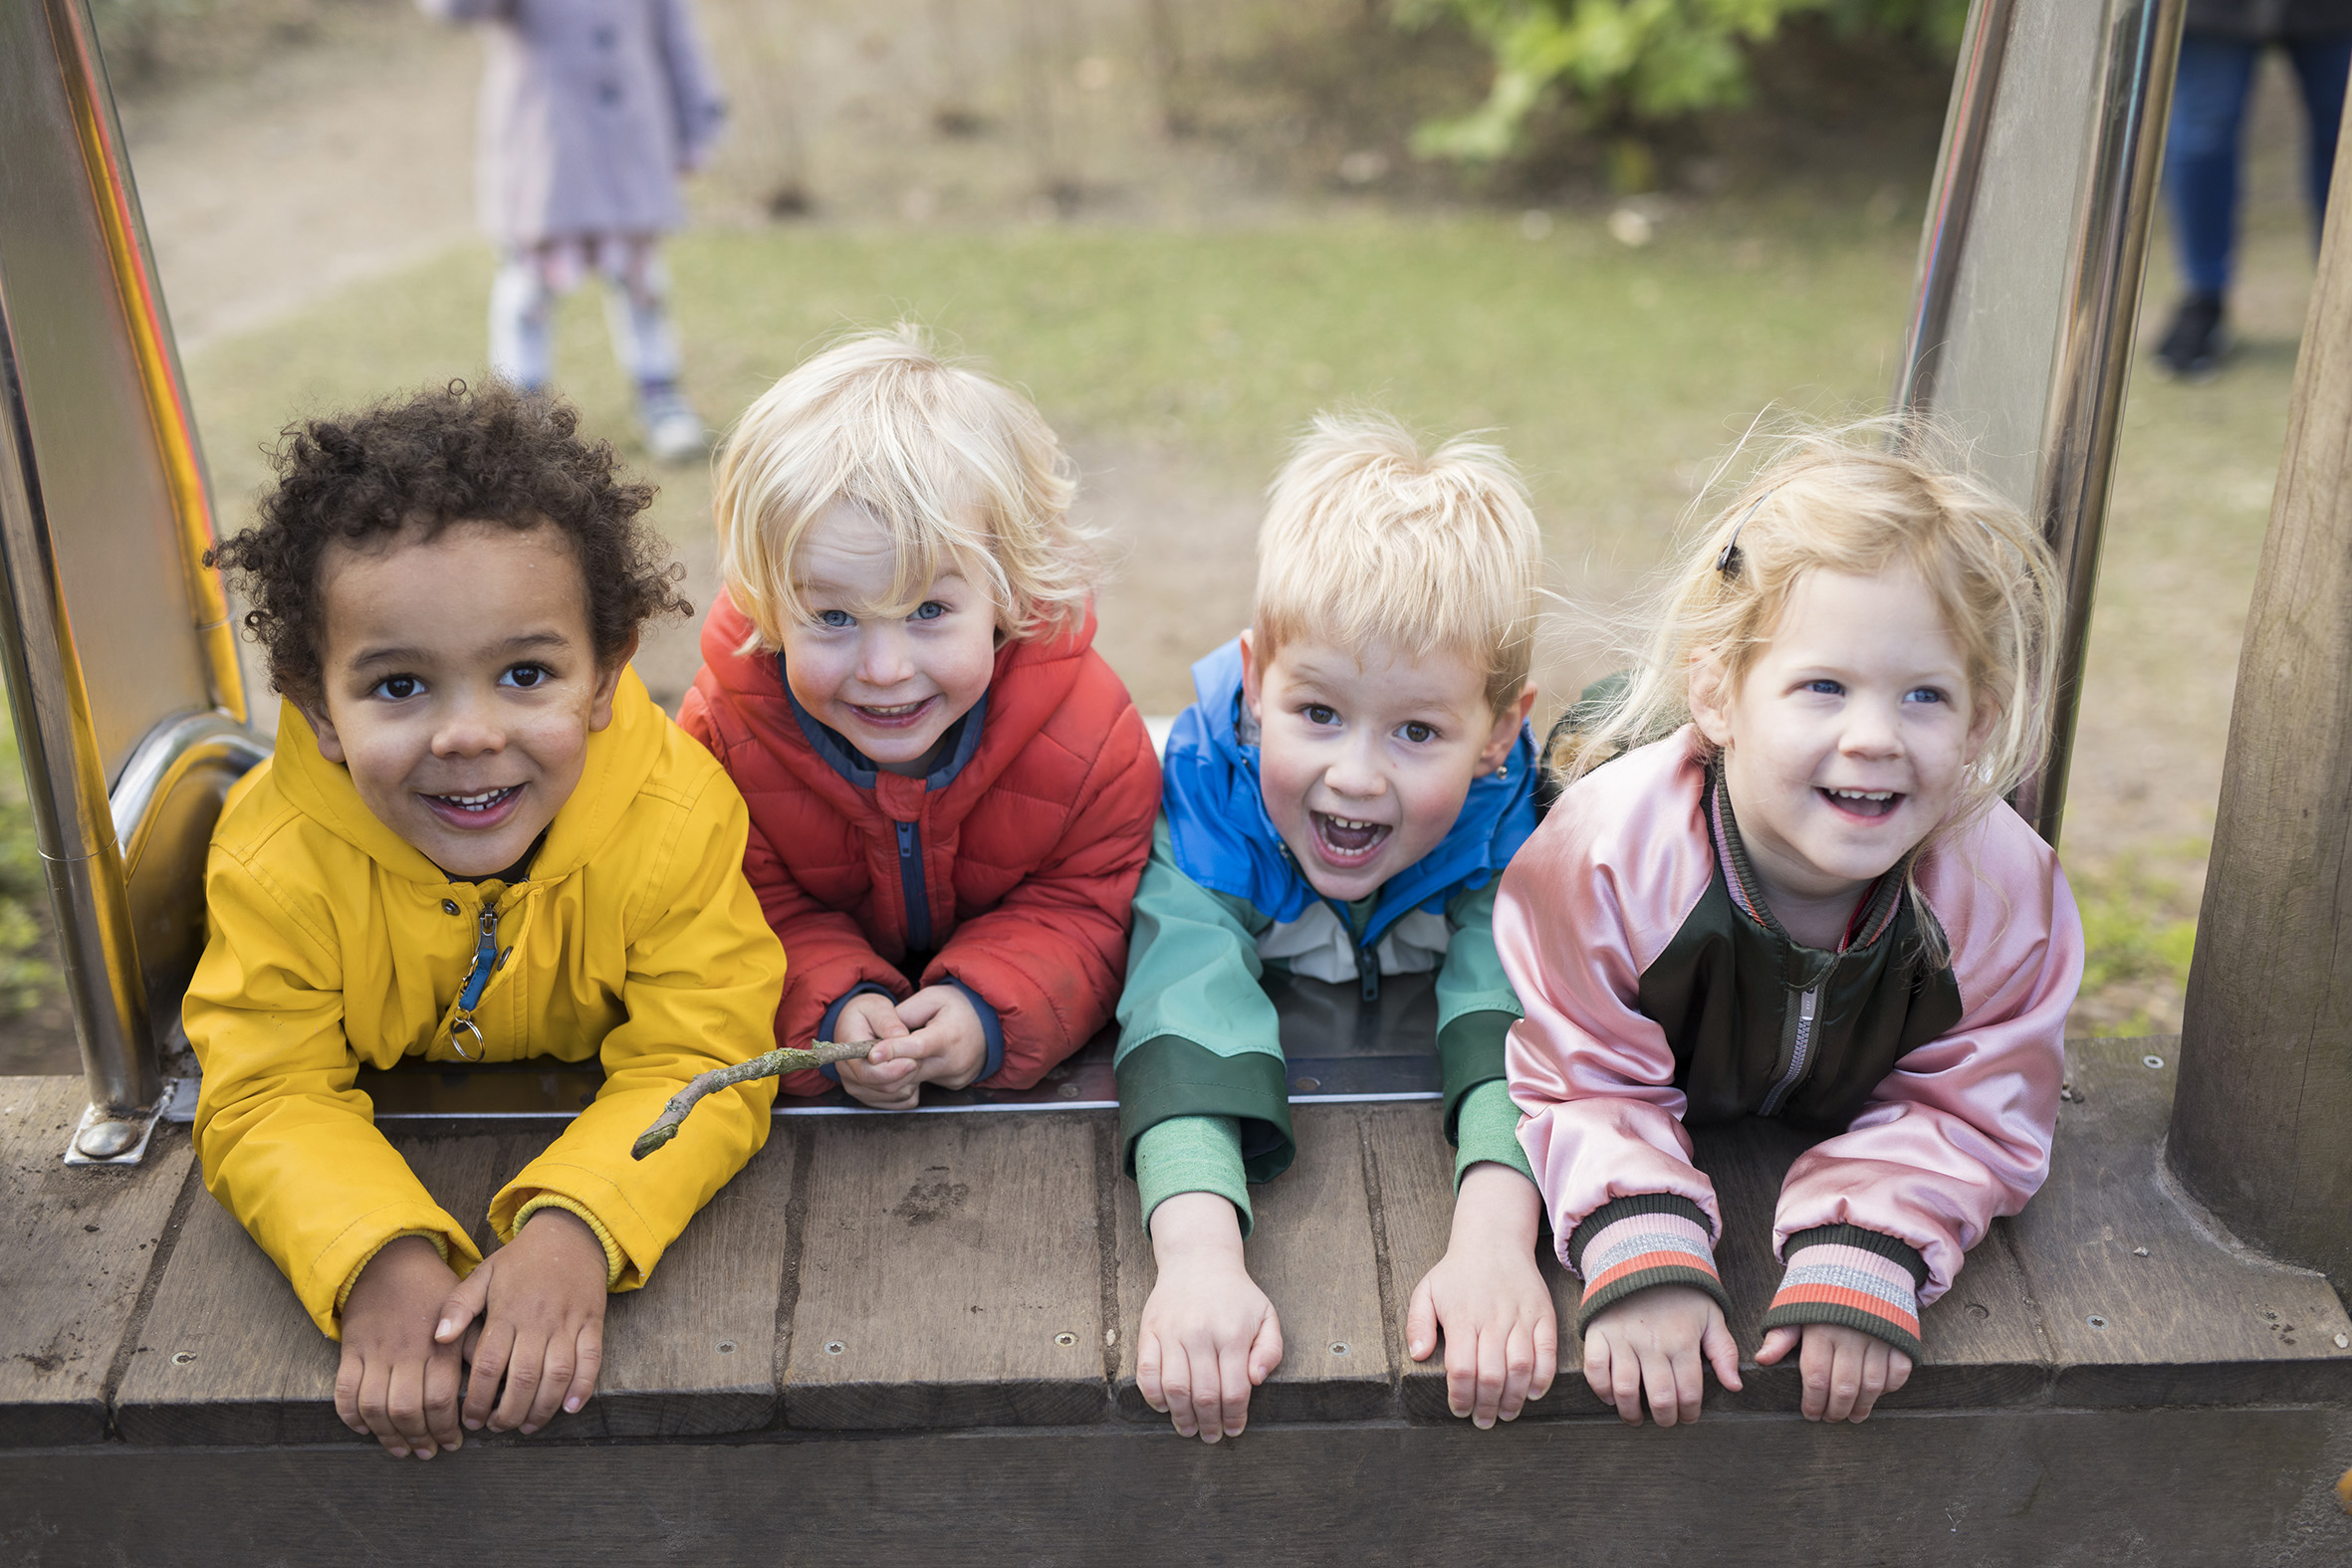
{"x": 449, "y": 454}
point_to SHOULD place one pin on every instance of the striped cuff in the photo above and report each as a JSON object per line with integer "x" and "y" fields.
{"x": 616, "y": 1261}
{"x": 1632, "y": 1244}
{"x": 1855, "y": 1278}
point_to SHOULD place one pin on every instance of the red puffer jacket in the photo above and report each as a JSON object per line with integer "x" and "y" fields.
{"x": 1016, "y": 861}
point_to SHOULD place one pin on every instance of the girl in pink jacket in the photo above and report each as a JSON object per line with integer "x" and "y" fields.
{"x": 1794, "y": 890}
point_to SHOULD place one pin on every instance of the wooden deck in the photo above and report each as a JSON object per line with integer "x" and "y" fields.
{"x": 908, "y": 1334}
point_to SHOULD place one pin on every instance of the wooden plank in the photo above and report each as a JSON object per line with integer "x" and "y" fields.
{"x": 77, "y": 1245}
{"x": 1981, "y": 1343}
{"x": 227, "y": 1354}
{"x": 2181, "y": 1316}
{"x": 949, "y": 1274}
{"x": 2095, "y": 1489}
{"x": 1415, "y": 1169}
{"x": 1312, "y": 1252}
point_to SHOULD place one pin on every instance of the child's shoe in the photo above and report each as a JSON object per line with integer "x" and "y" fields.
{"x": 2193, "y": 346}
{"x": 674, "y": 432}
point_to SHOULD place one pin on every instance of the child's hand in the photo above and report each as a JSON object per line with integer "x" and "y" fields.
{"x": 395, "y": 1382}
{"x": 541, "y": 1298}
{"x": 1660, "y": 1340}
{"x": 938, "y": 1039}
{"x": 1844, "y": 1370}
{"x": 870, "y": 1017}
{"x": 1208, "y": 1335}
{"x": 1489, "y": 1298}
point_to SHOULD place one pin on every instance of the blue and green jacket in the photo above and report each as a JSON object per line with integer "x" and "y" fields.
{"x": 1204, "y": 1102}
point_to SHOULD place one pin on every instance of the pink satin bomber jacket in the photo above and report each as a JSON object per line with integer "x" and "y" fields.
{"x": 1957, "y": 1135}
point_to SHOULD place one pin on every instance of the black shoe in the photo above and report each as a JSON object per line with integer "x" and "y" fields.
{"x": 2193, "y": 346}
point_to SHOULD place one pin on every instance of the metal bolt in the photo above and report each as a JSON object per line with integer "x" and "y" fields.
{"x": 2344, "y": 1342}
{"x": 1339, "y": 1347}
{"x": 726, "y": 1347}
{"x": 2151, "y": 1063}
{"x": 1066, "y": 1340}
{"x": 180, "y": 1358}
{"x": 2096, "y": 1321}
{"x": 833, "y": 1347}
{"x": 1310, "y": 1085}
{"x": 2139, "y": 1252}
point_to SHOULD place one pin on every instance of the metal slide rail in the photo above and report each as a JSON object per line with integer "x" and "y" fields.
{"x": 2031, "y": 269}
{"x": 129, "y": 702}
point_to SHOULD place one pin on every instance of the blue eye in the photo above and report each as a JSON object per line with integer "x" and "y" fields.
{"x": 396, "y": 688}
{"x": 836, "y": 620}
{"x": 1825, "y": 688}
{"x": 1418, "y": 732}
{"x": 527, "y": 676}
{"x": 1925, "y": 694}
{"x": 929, "y": 610}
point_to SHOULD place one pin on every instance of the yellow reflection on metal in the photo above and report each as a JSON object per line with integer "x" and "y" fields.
{"x": 151, "y": 338}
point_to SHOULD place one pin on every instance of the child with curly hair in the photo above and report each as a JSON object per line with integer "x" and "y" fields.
{"x": 1797, "y": 894}
{"x": 478, "y": 840}
{"x": 951, "y": 791}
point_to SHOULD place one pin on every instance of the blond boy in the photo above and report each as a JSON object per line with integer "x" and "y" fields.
{"x": 1338, "y": 803}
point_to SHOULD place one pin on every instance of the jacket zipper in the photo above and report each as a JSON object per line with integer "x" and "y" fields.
{"x": 1367, "y": 957}
{"x": 477, "y": 980}
{"x": 910, "y": 887}
{"x": 1799, "y": 1057}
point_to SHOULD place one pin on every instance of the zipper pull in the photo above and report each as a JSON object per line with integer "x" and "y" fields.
{"x": 1367, "y": 973}
{"x": 477, "y": 980}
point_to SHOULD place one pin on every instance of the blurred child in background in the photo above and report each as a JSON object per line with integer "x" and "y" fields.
{"x": 590, "y": 110}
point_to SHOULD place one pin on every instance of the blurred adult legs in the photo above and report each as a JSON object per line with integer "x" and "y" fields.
{"x": 522, "y": 296}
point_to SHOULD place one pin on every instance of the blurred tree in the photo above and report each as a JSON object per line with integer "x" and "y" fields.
{"x": 1626, "y": 61}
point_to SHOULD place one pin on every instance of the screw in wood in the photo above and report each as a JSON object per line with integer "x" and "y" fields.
{"x": 1066, "y": 1340}
{"x": 833, "y": 1347}
{"x": 2139, "y": 1252}
{"x": 180, "y": 1358}
{"x": 2096, "y": 1321}
{"x": 726, "y": 1347}
{"x": 1339, "y": 1347}
{"x": 1310, "y": 1085}
{"x": 2344, "y": 1342}
{"x": 2151, "y": 1063}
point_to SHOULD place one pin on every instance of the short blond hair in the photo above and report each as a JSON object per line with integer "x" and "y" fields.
{"x": 959, "y": 469}
{"x": 1847, "y": 502}
{"x": 1367, "y": 542}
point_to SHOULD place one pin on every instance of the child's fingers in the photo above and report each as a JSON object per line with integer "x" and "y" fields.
{"x": 1519, "y": 1370}
{"x": 1494, "y": 1373}
{"x": 588, "y": 1360}
{"x": 443, "y": 1378}
{"x": 1846, "y": 1379}
{"x": 1176, "y": 1384}
{"x": 1546, "y": 1353}
{"x": 1601, "y": 1371}
{"x": 463, "y": 1304}
{"x": 561, "y": 1360}
{"x": 1265, "y": 1350}
{"x": 375, "y": 1388}
{"x": 1874, "y": 1379}
{"x": 1779, "y": 1342}
{"x": 1723, "y": 1351}
{"x": 1421, "y": 1321}
{"x": 523, "y": 1371}
{"x": 1898, "y": 1369}
{"x": 405, "y": 1406}
{"x": 1625, "y": 1385}
{"x": 489, "y": 1358}
{"x": 1814, "y": 1364}
{"x": 1461, "y": 1374}
{"x": 347, "y": 1378}
{"x": 1147, "y": 1371}
{"x": 1233, "y": 1390}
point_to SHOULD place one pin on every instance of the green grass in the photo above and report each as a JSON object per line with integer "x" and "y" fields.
{"x": 26, "y": 974}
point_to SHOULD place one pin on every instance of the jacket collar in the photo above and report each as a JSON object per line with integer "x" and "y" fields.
{"x": 620, "y": 757}
{"x": 1225, "y": 842}
{"x": 1872, "y": 917}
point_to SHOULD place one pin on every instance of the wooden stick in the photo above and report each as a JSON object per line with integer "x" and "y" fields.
{"x": 774, "y": 1064}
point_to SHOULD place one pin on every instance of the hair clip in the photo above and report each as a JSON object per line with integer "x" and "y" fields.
{"x": 1729, "y": 561}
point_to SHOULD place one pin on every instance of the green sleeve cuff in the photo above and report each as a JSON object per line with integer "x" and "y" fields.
{"x": 1487, "y": 1129}
{"x": 1171, "y": 1076}
{"x": 1192, "y": 1154}
{"x": 1469, "y": 1053}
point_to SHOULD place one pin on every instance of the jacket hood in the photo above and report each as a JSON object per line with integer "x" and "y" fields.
{"x": 1031, "y": 680}
{"x": 620, "y": 757}
{"x": 1225, "y": 842}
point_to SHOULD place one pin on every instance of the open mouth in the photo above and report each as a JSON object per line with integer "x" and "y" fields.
{"x": 1345, "y": 841}
{"x": 480, "y": 810}
{"x": 1863, "y": 802}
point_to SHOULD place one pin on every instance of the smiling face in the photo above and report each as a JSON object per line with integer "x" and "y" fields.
{"x": 459, "y": 685}
{"x": 1845, "y": 744}
{"x": 889, "y": 681}
{"x": 1364, "y": 762}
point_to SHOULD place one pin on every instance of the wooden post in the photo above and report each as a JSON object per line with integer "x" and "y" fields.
{"x": 2261, "y": 1127}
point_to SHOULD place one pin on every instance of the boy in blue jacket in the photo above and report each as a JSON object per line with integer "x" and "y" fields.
{"x": 1339, "y": 802}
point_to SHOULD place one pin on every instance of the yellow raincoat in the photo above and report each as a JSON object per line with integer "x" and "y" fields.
{"x": 332, "y": 944}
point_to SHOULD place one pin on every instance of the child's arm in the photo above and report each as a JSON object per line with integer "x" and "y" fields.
{"x": 1204, "y": 1109}
{"x": 1044, "y": 965}
{"x": 695, "y": 99}
{"x": 1486, "y": 1295}
{"x": 1874, "y": 1223}
{"x": 703, "y": 975}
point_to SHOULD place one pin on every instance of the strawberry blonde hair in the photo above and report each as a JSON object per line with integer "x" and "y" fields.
{"x": 1828, "y": 502}
{"x": 959, "y": 469}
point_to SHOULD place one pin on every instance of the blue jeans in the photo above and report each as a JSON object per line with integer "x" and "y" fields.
{"x": 2201, "y": 152}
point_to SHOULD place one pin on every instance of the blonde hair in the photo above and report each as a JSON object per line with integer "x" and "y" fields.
{"x": 1366, "y": 541}
{"x": 958, "y": 468}
{"x": 1830, "y": 504}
